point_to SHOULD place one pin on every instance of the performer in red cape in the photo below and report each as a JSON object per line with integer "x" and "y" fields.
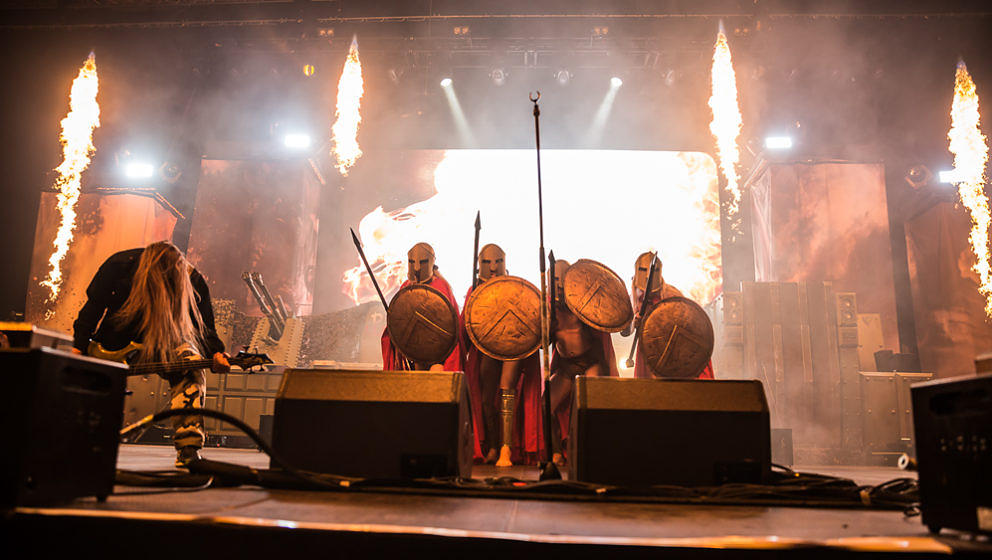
{"x": 423, "y": 271}
{"x": 578, "y": 350}
{"x": 505, "y": 395}
{"x": 659, "y": 290}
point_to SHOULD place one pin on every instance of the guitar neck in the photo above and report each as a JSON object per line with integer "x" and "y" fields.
{"x": 172, "y": 367}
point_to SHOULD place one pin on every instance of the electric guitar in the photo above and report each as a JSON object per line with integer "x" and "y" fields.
{"x": 244, "y": 360}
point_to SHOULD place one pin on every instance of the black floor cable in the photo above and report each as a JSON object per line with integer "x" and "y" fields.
{"x": 789, "y": 488}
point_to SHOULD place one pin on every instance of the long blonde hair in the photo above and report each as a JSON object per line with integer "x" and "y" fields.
{"x": 163, "y": 303}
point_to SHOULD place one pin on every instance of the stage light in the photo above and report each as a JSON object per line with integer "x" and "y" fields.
{"x": 778, "y": 143}
{"x": 139, "y": 170}
{"x": 297, "y": 141}
{"x": 309, "y": 70}
{"x": 563, "y": 77}
{"x": 615, "y": 82}
{"x": 446, "y": 82}
{"x": 950, "y": 176}
{"x": 498, "y": 76}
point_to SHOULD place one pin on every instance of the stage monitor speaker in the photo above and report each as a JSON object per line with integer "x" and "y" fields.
{"x": 952, "y": 420}
{"x": 669, "y": 431}
{"x": 61, "y": 421}
{"x": 374, "y": 424}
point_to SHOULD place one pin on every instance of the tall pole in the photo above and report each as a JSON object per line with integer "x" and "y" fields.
{"x": 549, "y": 470}
{"x": 361, "y": 253}
{"x": 475, "y": 251}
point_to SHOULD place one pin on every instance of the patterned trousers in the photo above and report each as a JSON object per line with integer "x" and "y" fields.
{"x": 188, "y": 390}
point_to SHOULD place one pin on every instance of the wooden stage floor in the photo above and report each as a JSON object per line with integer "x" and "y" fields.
{"x": 404, "y": 522}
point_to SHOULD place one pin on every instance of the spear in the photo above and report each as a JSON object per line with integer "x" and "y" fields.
{"x": 640, "y": 314}
{"x": 549, "y": 471}
{"x": 361, "y": 253}
{"x": 475, "y": 253}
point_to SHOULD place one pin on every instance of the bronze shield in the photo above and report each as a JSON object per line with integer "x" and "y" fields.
{"x": 503, "y": 318}
{"x": 422, "y": 324}
{"x": 676, "y": 338}
{"x": 597, "y": 296}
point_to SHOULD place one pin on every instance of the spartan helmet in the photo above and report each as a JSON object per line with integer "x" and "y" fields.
{"x": 641, "y": 272}
{"x": 492, "y": 262}
{"x": 421, "y": 263}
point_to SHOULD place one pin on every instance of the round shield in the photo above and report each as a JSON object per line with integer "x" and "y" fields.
{"x": 422, "y": 324}
{"x": 676, "y": 338}
{"x": 503, "y": 318}
{"x": 597, "y": 296}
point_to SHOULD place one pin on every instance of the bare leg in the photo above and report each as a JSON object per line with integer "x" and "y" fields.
{"x": 561, "y": 388}
{"x": 489, "y": 379}
{"x": 510, "y": 375}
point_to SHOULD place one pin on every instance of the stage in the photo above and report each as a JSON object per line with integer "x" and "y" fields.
{"x": 251, "y": 520}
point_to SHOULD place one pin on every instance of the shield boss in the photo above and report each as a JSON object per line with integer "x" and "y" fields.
{"x": 677, "y": 338}
{"x": 422, "y": 324}
{"x": 597, "y": 296}
{"x": 503, "y": 318}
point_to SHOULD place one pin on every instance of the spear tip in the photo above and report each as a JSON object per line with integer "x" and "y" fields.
{"x": 478, "y": 219}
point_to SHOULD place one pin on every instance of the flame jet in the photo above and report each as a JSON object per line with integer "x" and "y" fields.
{"x": 971, "y": 152}
{"x": 344, "y": 133}
{"x": 727, "y": 120}
{"x": 77, "y": 147}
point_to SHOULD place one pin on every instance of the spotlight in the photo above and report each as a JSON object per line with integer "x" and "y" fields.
{"x": 297, "y": 141}
{"x": 778, "y": 143}
{"x": 139, "y": 170}
{"x": 950, "y": 176}
{"x": 615, "y": 82}
{"x": 563, "y": 77}
{"x": 498, "y": 76}
{"x": 446, "y": 82}
{"x": 918, "y": 176}
{"x": 170, "y": 172}
{"x": 309, "y": 70}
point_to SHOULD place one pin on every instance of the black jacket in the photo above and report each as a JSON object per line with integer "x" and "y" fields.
{"x": 106, "y": 295}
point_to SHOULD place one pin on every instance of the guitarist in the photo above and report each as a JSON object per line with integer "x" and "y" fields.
{"x": 154, "y": 297}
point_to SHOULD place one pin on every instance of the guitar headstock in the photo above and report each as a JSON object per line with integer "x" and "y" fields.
{"x": 247, "y": 360}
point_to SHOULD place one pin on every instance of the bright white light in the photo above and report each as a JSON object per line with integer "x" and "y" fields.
{"x": 136, "y": 170}
{"x": 297, "y": 141}
{"x": 446, "y": 82}
{"x": 952, "y": 176}
{"x": 678, "y": 214}
{"x": 615, "y": 82}
{"x": 778, "y": 142}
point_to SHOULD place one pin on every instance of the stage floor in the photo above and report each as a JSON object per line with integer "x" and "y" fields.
{"x": 628, "y": 526}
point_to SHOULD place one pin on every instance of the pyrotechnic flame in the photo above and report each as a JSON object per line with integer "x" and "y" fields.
{"x": 971, "y": 152}
{"x": 727, "y": 120}
{"x": 77, "y": 147}
{"x": 344, "y": 133}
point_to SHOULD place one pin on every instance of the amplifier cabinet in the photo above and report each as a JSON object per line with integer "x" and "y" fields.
{"x": 62, "y": 426}
{"x": 374, "y": 424}
{"x": 669, "y": 431}
{"x": 952, "y": 419}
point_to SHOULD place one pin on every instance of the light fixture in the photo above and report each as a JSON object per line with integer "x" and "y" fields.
{"x": 778, "y": 142}
{"x": 297, "y": 141}
{"x": 498, "y": 76}
{"x": 446, "y": 82}
{"x": 563, "y": 77}
{"x": 139, "y": 170}
{"x": 309, "y": 70}
{"x": 615, "y": 82}
{"x": 950, "y": 176}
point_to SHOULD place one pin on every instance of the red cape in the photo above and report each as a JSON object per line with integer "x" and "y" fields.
{"x": 390, "y": 360}
{"x": 641, "y": 370}
{"x": 528, "y": 432}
